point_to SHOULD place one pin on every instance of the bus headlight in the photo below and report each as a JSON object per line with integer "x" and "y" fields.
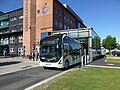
{"x": 42, "y": 57}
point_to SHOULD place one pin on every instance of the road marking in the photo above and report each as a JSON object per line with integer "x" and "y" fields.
{"x": 46, "y": 80}
{"x": 110, "y": 64}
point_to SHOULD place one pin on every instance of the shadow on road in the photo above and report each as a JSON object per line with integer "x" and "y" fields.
{"x": 9, "y": 63}
{"x": 98, "y": 57}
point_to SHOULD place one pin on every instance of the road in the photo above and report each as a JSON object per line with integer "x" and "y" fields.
{"x": 23, "y": 79}
{"x": 26, "y": 78}
{"x": 101, "y": 62}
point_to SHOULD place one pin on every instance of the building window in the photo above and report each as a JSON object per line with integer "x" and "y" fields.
{"x": 21, "y": 17}
{"x": 12, "y": 39}
{"x": 55, "y": 22}
{"x": 78, "y": 25}
{"x": 65, "y": 27}
{"x": 68, "y": 27}
{"x": 20, "y": 27}
{"x": 6, "y": 41}
{"x": 2, "y": 41}
{"x": 38, "y": 11}
{"x": 14, "y": 29}
{"x": 12, "y": 50}
{"x": 60, "y": 14}
{"x": 4, "y": 31}
{"x": 71, "y": 22}
{"x": 4, "y": 23}
{"x": 13, "y": 19}
{"x": 20, "y": 51}
{"x": 68, "y": 19}
{"x": 65, "y": 17}
{"x": 60, "y": 24}
{"x": 55, "y": 10}
{"x": 20, "y": 38}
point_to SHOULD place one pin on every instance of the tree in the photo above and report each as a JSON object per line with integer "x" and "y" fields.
{"x": 109, "y": 43}
{"x": 118, "y": 46}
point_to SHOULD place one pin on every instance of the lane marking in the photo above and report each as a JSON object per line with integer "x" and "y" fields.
{"x": 110, "y": 64}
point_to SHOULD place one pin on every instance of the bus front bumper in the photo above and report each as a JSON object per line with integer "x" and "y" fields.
{"x": 46, "y": 64}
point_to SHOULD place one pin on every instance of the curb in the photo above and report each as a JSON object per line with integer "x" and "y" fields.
{"x": 102, "y": 66}
{"x": 46, "y": 80}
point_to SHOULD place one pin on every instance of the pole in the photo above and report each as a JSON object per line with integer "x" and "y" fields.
{"x": 82, "y": 61}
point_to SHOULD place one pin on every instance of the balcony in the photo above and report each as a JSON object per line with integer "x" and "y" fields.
{"x": 4, "y": 41}
{"x": 3, "y": 17}
{"x": 4, "y": 26}
{"x": 2, "y": 44}
{"x": 4, "y": 32}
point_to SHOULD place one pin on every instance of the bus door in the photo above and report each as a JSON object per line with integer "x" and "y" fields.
{"x": 66, "y": 49}
{"x": 84, "y": 51}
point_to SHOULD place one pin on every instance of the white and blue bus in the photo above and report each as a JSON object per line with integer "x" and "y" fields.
{"x": 59, "y": 51}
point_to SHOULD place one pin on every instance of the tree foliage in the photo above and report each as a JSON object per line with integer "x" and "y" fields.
{"x": 118, "y": 46}
{"x": 109, "y": 42}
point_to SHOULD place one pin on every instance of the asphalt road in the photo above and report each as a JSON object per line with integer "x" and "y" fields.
{"x": 23, "y": 79}
{"x": 101, "y": 62}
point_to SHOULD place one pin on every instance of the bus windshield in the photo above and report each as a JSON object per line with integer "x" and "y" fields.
{"x": 50, "y": 47}
{"x": 49, "y": 50}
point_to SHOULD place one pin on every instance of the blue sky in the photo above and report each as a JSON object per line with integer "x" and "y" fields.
{"x": 102, "y": 15}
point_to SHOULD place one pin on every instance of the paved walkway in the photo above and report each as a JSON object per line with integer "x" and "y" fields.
{"x": 8, "y": 65}
{"x": 102, "y": 63}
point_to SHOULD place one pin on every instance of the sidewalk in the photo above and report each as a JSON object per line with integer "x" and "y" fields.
{"x": 8, "y": 65}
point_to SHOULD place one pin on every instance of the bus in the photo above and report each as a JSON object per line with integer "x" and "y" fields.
{"x": 59, "y": 51}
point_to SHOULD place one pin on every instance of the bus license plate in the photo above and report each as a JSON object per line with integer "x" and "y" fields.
{"x": 48, "y": 64}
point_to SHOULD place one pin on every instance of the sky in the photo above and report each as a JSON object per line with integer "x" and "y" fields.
{"x": 102, "y": 15}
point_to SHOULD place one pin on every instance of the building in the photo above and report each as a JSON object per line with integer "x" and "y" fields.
{"x": 46, "y": 16}
{"x": 1, "y": 13}
{"x": 11, "y": 32}
{"x": 20, "y": 30}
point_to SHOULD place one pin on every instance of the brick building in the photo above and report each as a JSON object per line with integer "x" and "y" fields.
{"x": 46, "y": 16}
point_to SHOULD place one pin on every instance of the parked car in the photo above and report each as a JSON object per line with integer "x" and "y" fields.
{"x": 116, "y": 53}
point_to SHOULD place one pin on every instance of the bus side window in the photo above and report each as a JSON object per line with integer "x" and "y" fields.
{"x": 66, "y": 48}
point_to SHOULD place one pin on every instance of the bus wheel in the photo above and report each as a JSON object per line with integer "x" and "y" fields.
{"x": 66, "y": 64}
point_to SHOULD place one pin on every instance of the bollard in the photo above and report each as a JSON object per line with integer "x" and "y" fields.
{"x": 85, "y": 60}
{"x": 82, "y": 61}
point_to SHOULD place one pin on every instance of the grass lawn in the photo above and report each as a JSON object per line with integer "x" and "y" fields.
{"x": 86, "y": 78}
{"x": 113, "y": 60}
